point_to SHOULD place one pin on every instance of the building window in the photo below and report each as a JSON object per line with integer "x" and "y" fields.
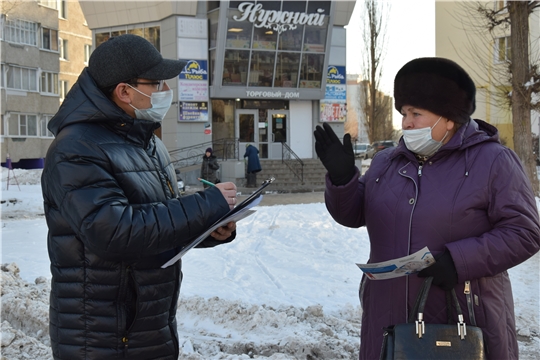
{"x": 49, "y": 83}
{"x": 87, "y": 52}
{"x": 63, "y": 49}
{"x": 287, "y": 65}
{"x": 62, "y": 9}
{"x": 19, "y": 78}
{"x": 502, "y": 49}
{"x": 48, "y": 3}
{"x": 22, "y": 125}
{"x": 311, "y": 71}
{"x": 264, "y": 38}
{"x": 501, "y": 5}
{"x": 238, "y": 32}
{"x": 213, "y": 19}
{"x": 49, "y": 39}
{"x": 150, "y": 33}
{"x": 20, "y": 32}
{"x": 281, "y": 56}
{"x": 63, "y": 89}
{"x": 235, "y": 68}
{"x": 2, "y": 24}
{"x": 44, "y": 132}
{"x": 262, "y": 68}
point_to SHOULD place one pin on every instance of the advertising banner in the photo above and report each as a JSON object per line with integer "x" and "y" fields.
{"x": 193, "y": 81}
{"x": 332, "y": 110}
{"x": 334, "y": 104}
{"x": 193, "y": 111}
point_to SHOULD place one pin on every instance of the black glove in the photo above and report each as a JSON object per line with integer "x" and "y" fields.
{"x": 337, "y": 158}
{"x": 443, "y": 271}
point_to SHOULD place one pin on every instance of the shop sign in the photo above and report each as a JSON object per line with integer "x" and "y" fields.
{"x": 195, "y": 70}
{"x": 193, "y": 81}
{"x": 279, "y": 21}
{"x": 336, "y": 75}
{"x": 336, "y": 84}
{"x": 193, "y": 111}
{"x": 273, "y": 94}
{"x": 333, "y": 111}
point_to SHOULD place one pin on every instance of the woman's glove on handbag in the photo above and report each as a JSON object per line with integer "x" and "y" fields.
{"x": 336, "y": 157}
{"x": 443, "y": 271}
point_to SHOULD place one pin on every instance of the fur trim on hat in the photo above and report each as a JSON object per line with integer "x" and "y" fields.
{"x": 438, "y": 85}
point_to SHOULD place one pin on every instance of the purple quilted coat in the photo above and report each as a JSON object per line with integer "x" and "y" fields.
{"x": 473, "y": 198}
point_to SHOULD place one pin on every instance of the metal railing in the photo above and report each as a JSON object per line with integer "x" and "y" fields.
{"x": 223, "y": 149}
{"x": 293, "y": 162}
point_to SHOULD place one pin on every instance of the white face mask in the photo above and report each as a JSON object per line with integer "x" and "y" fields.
{"x": 420, "y": 142}
{"x": 161, "y": 103}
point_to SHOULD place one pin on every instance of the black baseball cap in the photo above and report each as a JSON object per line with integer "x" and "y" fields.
{"x": 126, "y": 57}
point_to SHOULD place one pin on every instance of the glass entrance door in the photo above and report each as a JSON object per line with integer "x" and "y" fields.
{"x": 246, "y": 124}
{"x": 278, "y": 126}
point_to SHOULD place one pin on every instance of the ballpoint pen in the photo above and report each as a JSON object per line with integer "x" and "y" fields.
{"x": 206, "y": 182}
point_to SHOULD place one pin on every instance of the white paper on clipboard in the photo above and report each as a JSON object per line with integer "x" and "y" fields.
{"x": 241, "y": 211}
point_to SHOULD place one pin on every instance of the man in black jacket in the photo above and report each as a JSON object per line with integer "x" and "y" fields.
{"x": 114, "y": 213}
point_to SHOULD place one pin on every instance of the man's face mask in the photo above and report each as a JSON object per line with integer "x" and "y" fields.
{"x": 420, "y": 142}
{"x": 161, "y": 103}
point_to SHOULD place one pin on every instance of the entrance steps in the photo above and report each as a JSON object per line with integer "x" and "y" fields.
{"x": 286, "y": 181}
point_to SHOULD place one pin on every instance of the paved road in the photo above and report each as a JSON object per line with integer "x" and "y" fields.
{"x": 289, "y": 198}
{"x": 275, "y": 199}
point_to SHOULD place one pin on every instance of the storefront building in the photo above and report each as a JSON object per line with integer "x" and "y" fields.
{"x": 262, "y": 72}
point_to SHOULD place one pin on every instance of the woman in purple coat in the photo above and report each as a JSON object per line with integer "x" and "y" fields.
{"x": 449, "y": 185}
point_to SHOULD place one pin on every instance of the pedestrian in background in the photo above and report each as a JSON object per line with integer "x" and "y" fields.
{"x": 253, "y": 165}
{"x": 209, "y": 167}
{"x": 449, "y": 185}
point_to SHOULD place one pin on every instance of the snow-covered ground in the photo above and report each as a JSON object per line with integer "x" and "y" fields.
{"x": 286, "y": 288}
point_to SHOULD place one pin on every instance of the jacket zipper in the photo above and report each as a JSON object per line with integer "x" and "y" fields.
{"x": 409, "y": 237}
{"x": 470, "y": 306}
{"x": 125, "y": 338}
{"x": 420, "y": 170}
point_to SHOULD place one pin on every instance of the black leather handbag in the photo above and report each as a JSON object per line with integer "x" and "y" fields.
{"x": 418, "y": 340}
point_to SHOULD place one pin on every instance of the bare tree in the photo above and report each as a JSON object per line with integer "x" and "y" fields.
{"x": 518, "y": 76}
{"x": 6, "y": 6}
{"x": 374, "y": 104}
{"x": 520, "y": 69}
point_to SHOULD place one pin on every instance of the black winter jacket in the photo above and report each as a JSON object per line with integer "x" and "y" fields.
{"x": 114, "y": 217}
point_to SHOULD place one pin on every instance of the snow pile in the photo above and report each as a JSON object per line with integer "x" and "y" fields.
{"x": 214, "y": 326}
{"x": 25, "y": 316}
{"x": 208, "y": 328}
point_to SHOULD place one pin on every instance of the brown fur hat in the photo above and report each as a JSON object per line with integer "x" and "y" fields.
{"x": 438, "y": 85}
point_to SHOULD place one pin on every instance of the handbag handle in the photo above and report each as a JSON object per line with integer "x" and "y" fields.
{"x": 420, "y": 304}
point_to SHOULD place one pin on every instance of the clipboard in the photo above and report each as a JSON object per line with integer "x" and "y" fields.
{"x": 239, "y": 212}
{"x": 251, "y": 198}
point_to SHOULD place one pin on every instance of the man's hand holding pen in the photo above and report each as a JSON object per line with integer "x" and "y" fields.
{"x": 228, "y": 190}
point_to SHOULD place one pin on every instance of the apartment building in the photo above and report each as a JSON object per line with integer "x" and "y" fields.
{"x": 44, "y": 45}
{"x": 483, "y": 56}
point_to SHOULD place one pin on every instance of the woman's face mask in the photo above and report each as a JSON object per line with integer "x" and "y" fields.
{"x": 161, "y": 103}
{"x": 420, "y": 142}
